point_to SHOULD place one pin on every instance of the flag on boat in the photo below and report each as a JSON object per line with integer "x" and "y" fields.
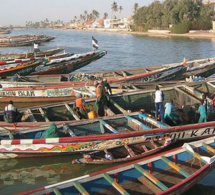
{"x": 95, "y": 43}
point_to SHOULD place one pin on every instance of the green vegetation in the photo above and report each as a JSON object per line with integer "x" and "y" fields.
{"x": 182, "y": 15}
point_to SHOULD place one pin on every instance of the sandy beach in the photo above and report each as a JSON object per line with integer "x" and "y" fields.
{"x": 192, "y": 34}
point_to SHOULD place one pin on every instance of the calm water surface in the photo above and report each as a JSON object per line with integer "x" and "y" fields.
{"x": 124, "y": 51}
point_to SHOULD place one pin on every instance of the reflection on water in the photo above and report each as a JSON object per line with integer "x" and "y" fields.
{"x": 200, "y": 189}
{"x": 25, "y": 174}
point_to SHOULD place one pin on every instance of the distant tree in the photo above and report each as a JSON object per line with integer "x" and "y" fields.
{"x": 114, "y": 7}
{"x": 105, "y": 15}
{"x": 81, "y": 17}
{"x": 120, "y": 10}
{"x": 136, "y": 7}
{"x": 95, "y": 14}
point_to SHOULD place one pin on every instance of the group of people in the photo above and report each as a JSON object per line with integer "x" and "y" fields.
{"x": 103, "y": 93}
{"x": 170, "y": 115}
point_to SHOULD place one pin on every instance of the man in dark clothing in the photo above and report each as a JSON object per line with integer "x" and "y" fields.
{"x": 100, "y": 94}
{"x": 11, "y": 113}
{"x": 107, "y": 91}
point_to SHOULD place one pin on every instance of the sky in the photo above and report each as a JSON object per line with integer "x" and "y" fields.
{"x": 17, "y": 12}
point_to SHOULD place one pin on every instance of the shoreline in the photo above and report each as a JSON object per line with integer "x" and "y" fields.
{"x": 197, "y": 34}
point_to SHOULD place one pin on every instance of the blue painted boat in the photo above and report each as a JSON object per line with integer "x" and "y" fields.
{"x": 171, "y": 172}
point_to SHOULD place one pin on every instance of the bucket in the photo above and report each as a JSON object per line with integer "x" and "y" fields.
{"x": 91, "y": 114}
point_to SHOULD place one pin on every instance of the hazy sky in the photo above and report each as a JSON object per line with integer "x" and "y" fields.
{"x": 17, "y": 12}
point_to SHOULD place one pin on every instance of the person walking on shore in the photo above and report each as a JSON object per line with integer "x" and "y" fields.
{"x": 159, "y": 97}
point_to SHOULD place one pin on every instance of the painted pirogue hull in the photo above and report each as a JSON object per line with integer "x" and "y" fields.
{"x": 44, "y": 53}
{"x": 67, "y": 67}
{"x": 171, "y": 172}
{"x": 125, "y": 153}
{"x": 203, "y": 68}
{"x": 94, "y": 135}
{"x": 22, "y": 69}
{"x": 41, "y": 67}
{"x": 41, "y": 94}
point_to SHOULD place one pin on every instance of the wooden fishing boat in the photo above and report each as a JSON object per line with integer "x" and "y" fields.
{"x": 41, "y": 93}
{"x": 23, "y": 40}
{"x": 23, "y": 68}
{"x": 12, "y": 56}
{"x": 200, "y": 68}
{"x": 33, "y": 139}
{"x": 186, "y": 95}
{"x": 203, "y": 67}
{"x": 62, "y": 65}
{"x": 171, "y": 172}
{"x": 68, "y": 64}
{"x": 124, "y": 153}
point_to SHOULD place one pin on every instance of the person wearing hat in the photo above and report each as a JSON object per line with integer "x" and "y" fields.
{"x": 100, "y": 95}
{"x": 81, "y": 106}
{"x": 11, "y": 113}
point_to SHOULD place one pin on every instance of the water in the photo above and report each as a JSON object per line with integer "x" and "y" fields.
{"x": 124, "y": 51}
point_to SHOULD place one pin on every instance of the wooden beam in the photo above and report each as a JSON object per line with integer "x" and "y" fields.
{"x": 108, "y": 126}
{"x": 118, "y": 187}
{"x": 138, "y": 123}
{"x": 209, "y": 148}
{"x": 44, "y": 115}
{"x": 80, "y": 188}
{"x": 72, "y": 112}
{"x": 151, "y": 186}
{"x": 174, "y": 166}
{"x": 150, "y": 177}
{"x": 118, "y": 106}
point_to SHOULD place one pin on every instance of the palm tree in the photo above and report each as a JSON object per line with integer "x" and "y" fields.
{"x": 105, "y": 15}
{"x": 136, "y": 7}
{"x": 120, "y": 10}
{"x": 114, "y": 7}
{"x": 95, "y": 14}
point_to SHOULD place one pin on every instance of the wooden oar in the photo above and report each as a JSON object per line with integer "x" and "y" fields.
{"x": 115, "y": 185}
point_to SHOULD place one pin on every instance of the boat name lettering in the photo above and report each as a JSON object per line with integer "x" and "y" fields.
{"x": 58, "y": 92}
{"x": 26, "y": 93}
{"x": 208, "y": 131}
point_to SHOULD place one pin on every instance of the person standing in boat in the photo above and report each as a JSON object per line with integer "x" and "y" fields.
{"x": 11, "y": 114}
{"x": 81, "y": 106}
{"x": 202, "y": 112}
{"x": 206, "y": 103}
{"x": 36, "y": 47}
{"x": 100, "y": 95}
{"x": 170, "y": 115}
{"x": 159, "y": 97}
{"x": 107, "y": 91}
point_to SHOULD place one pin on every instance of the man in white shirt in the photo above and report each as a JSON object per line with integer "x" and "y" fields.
{"x": 159, "y": 97}
{"x": 36, "y": 47}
